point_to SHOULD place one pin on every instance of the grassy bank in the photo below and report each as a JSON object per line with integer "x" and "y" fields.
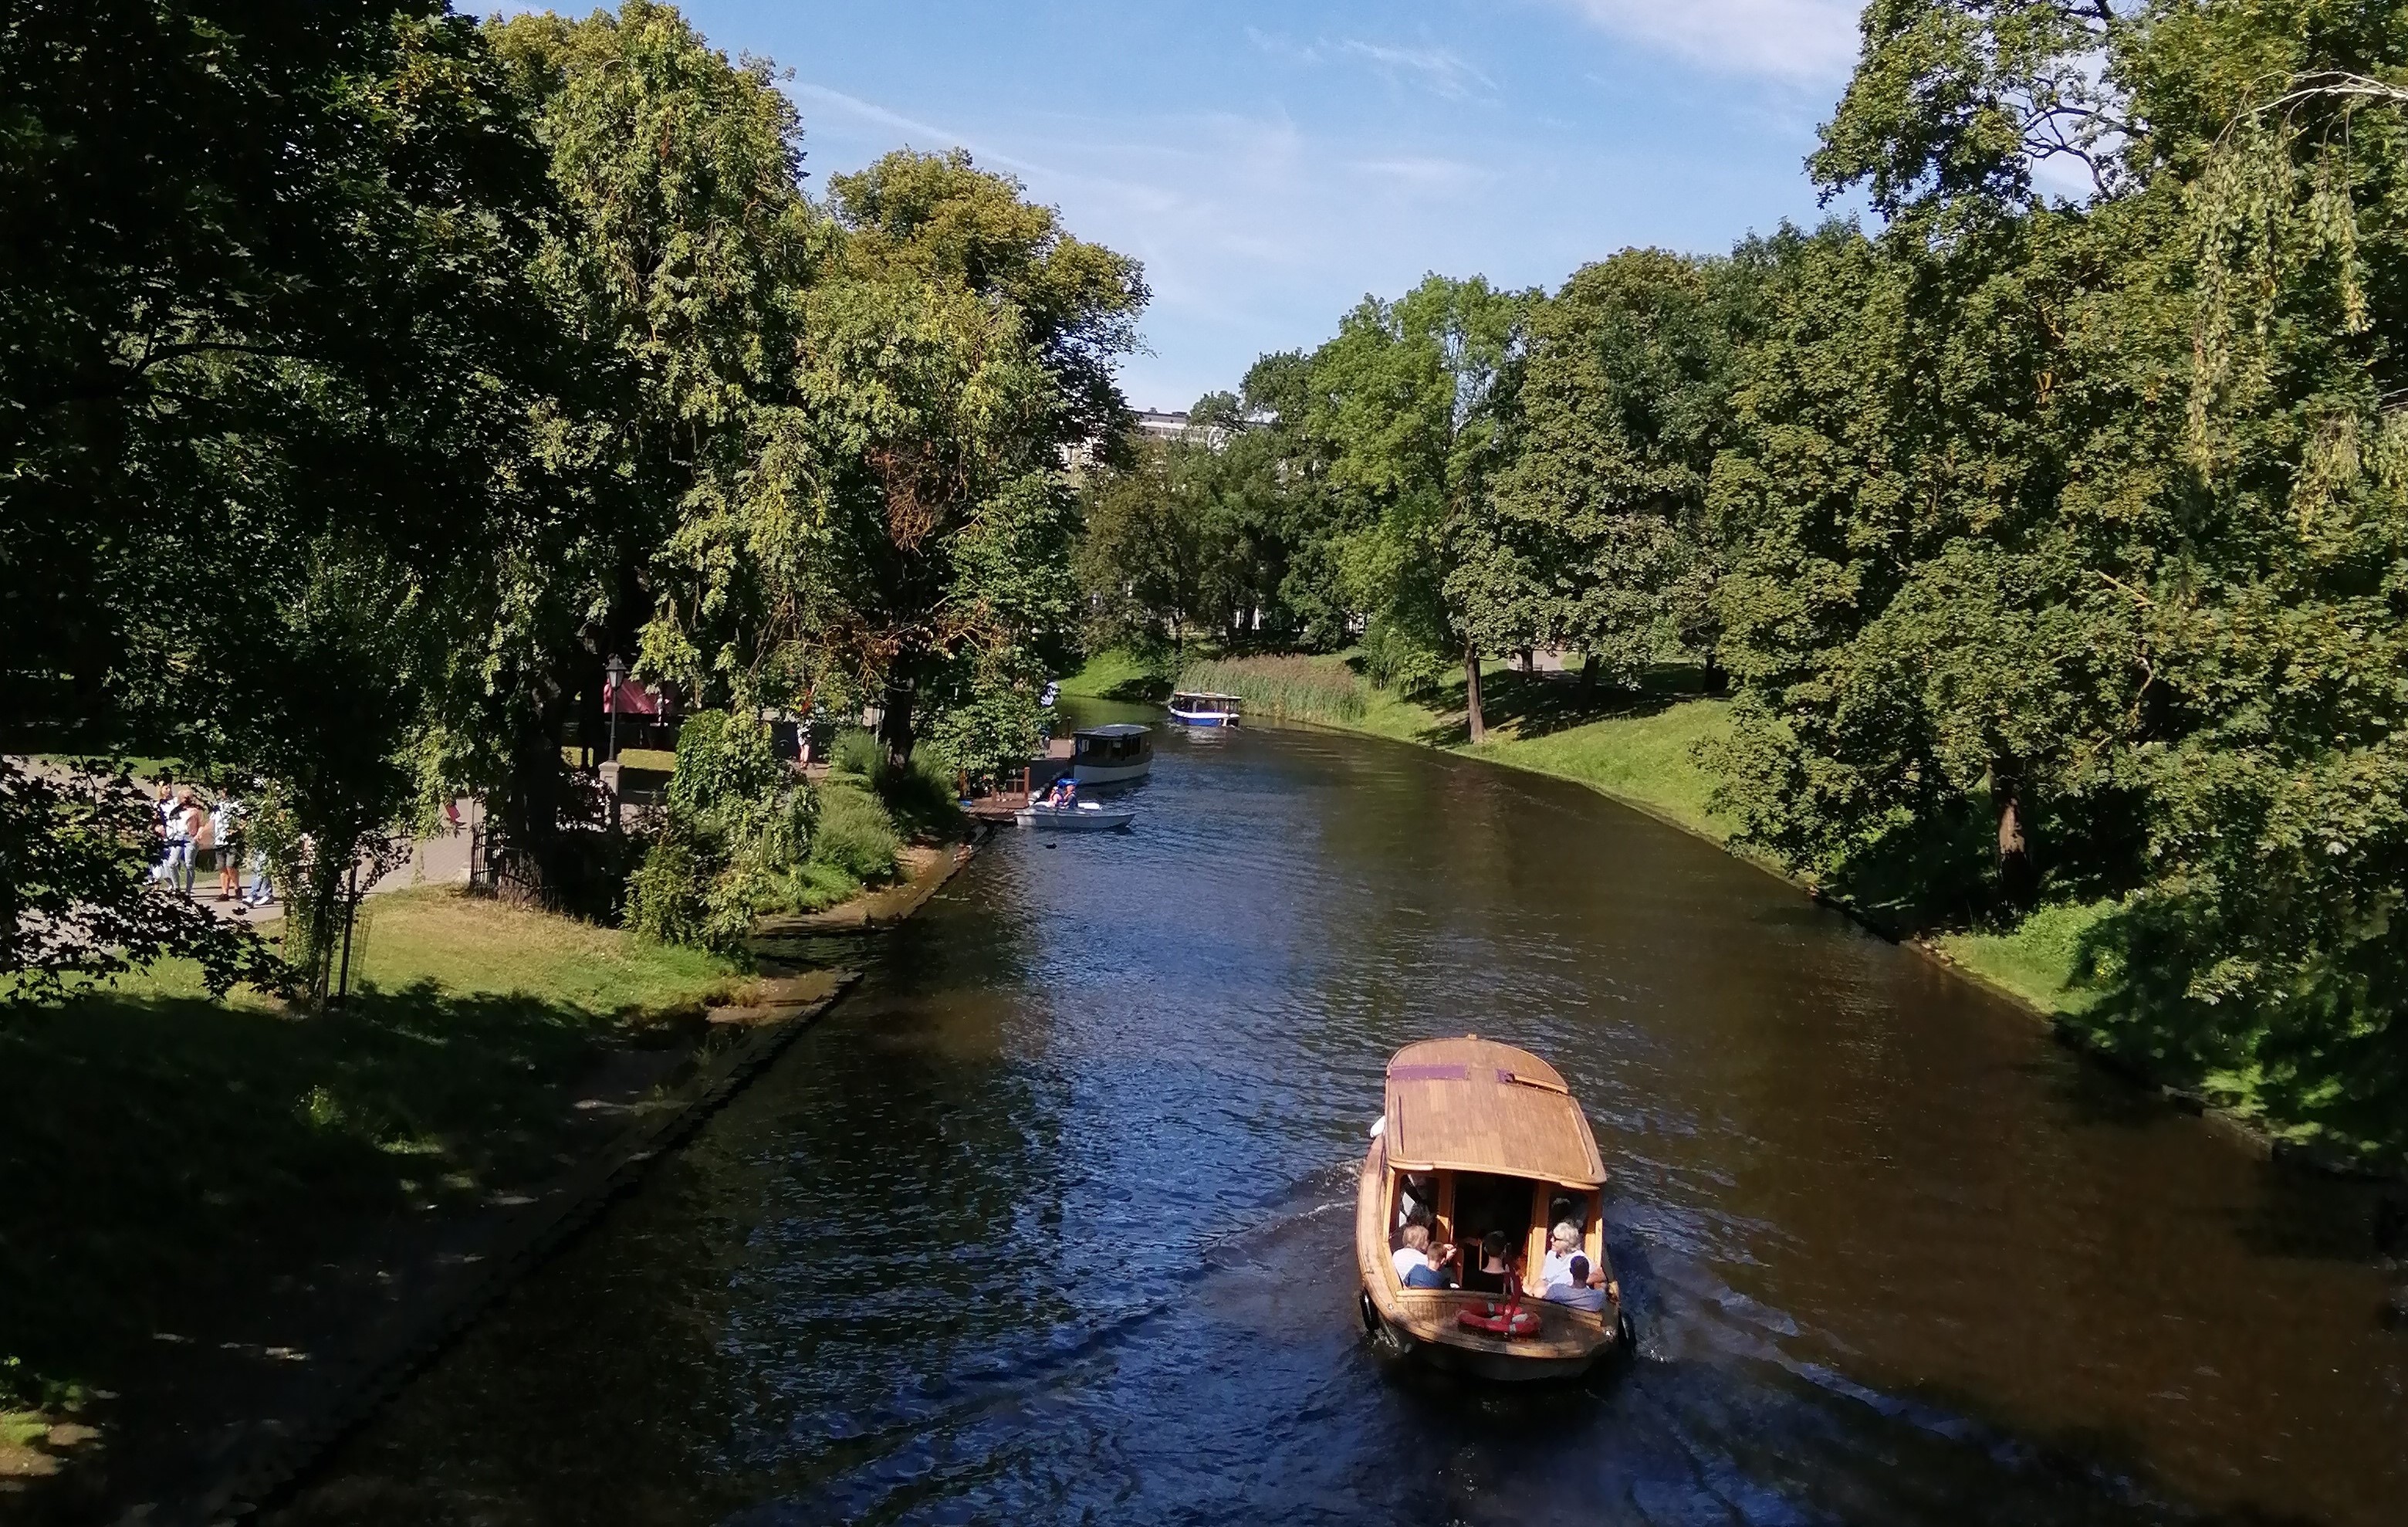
{"x": 162, "y": 1148}
{"x": 1122, "y": 674}
{"x": 1643, "y": 750}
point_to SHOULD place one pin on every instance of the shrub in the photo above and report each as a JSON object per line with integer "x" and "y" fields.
{"x": 665, "y": 895}
{"x": 855, "y": 753}
{"x": 856, "y": 834}
{"x": 724, "y": 764}
{"x": 738, "y": 835}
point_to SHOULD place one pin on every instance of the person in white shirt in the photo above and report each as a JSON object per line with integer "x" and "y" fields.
{"x": 1563, "y": 1245}
{"x": 225, "y": 834}
{"x": 1416, "y": 1268}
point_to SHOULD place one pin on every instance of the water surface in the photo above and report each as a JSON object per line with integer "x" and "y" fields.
{"x": 1050, "y": 1219}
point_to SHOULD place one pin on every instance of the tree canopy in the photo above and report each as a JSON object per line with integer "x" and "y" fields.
{"x": 373, "y": 374}
{"x": 2048, "y": 526}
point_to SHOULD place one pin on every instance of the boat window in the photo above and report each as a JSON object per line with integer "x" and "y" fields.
{"x": 1484, "y": 1201}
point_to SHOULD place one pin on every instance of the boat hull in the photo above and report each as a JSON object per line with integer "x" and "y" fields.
{"x": 1074, "y": 820}
{"x": 1491, "y": 1367}
{"x": 1129, "y": 773}
{"x": 1188, "y": 718}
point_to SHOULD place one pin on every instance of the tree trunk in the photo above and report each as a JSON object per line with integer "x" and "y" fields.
{"x": 2016, "y": 876}
{"x": 894, "y": 725}
{"x": 1717, "y": 678}
{"x": 1525, "y": 659}
{"x": 1589, "y": 666}
{"x": 1472, "y": 695}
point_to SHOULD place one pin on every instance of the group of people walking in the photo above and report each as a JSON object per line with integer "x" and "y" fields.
{"x": 195, "y": 836}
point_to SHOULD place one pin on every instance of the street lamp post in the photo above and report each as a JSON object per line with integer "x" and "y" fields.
{"x": 614, "y": 675}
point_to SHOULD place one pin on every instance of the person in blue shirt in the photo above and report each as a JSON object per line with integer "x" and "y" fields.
{"x": 1416, "y": 1266}
{"x": 1577, "y": 1293}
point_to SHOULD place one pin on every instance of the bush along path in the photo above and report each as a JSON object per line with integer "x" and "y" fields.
{"x": 1652, "y": 750}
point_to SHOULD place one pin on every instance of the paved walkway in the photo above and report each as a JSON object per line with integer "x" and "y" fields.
{"x": 438, "y": 860}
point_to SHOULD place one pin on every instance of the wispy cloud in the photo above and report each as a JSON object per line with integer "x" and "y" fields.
{"x": 1280, "y": 45}
{"x": 1802, "y": 42}
{"x": 925, "y": 136}
{"x": 1440, "y": 70}
{"x": 1435, "y": 68}
{"x": 1448, "y": 174}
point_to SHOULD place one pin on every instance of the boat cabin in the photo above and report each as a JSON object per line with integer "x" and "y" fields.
{"x": 1201, "y": 708}
{"x": 1486, "y": 1137}
{"x": 1114, "y": 754}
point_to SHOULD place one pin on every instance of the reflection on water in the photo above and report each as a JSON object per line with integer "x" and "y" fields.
{"x": 1051, "y": 1219}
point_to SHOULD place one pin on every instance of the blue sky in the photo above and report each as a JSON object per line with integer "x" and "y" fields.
{"x": 1270, "y": 163}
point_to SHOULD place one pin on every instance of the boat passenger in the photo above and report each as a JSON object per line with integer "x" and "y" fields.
{"x": 1418, "y": 1265}
{"x": 1495, "y": 1275}
{"x": 1563, "y": 1246}
{"x": 1417, "y": 1204}
{"x": 1575, "y": 1289}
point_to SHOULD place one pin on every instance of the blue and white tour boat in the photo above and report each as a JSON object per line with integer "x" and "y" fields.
{"x": 1198, "y": 708}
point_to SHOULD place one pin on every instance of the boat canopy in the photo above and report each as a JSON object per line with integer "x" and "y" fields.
{"x": 1471, "y": 1104}
{"x": 1118, "y": 729}
{"x": 1206, "y": 694}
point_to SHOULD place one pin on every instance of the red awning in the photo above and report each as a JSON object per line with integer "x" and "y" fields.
{"x": 627, "y": 698}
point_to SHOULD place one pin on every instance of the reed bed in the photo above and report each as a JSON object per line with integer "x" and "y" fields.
{"x": 1290, "y": 687}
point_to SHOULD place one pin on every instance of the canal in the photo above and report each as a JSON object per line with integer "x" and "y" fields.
{"x": 1051, "y": 1220}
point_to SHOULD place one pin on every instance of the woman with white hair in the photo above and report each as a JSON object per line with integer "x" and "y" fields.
{"x": 1563, "y": 1245}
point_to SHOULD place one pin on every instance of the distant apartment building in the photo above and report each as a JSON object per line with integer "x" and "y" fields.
{"x": 1155, "y": 425}
{"x": 1151, "y": 425}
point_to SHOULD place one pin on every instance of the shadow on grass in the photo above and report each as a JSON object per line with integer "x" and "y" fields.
{"x": 1534, "y": 705}
{"x": 160, "y": 1152}
{"x": 2321, "y": 1047}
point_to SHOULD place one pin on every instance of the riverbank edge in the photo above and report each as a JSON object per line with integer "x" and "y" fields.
{"x": 2245, "y": 1132}
{"x": 277, "y": 1455}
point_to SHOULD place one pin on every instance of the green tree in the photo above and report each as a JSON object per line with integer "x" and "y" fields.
{"x": 903, "y": 531}
{"x": 1415, "y": 400}
{"x": 938, "y": 220}
{"x": 279, "y": 354}
{"x": 677, "y": 265}
{"x": 1157, "y": 557}
{"x": 1595, "y": 536}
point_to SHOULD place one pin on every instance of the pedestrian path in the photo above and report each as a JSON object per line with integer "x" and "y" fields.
{"x": 442, "y": 858}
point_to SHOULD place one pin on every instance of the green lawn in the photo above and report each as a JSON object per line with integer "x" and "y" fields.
{"x": 2035, "y": 959}
{"x": 155, "y": 1141}
{"x": 1649, "y": 760}
{"x": 1121, "y": 674}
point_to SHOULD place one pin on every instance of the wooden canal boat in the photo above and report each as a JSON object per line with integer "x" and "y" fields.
{"x": 1479, "y": 1136}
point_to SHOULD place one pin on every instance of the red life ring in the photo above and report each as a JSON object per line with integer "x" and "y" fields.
{"x": 1500, "y": 1322}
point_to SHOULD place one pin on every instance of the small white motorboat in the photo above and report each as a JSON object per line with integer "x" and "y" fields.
{"x": 1085, "y": 816}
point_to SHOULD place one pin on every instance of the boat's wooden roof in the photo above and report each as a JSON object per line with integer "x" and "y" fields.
{"x": 1471, "y": 1104}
